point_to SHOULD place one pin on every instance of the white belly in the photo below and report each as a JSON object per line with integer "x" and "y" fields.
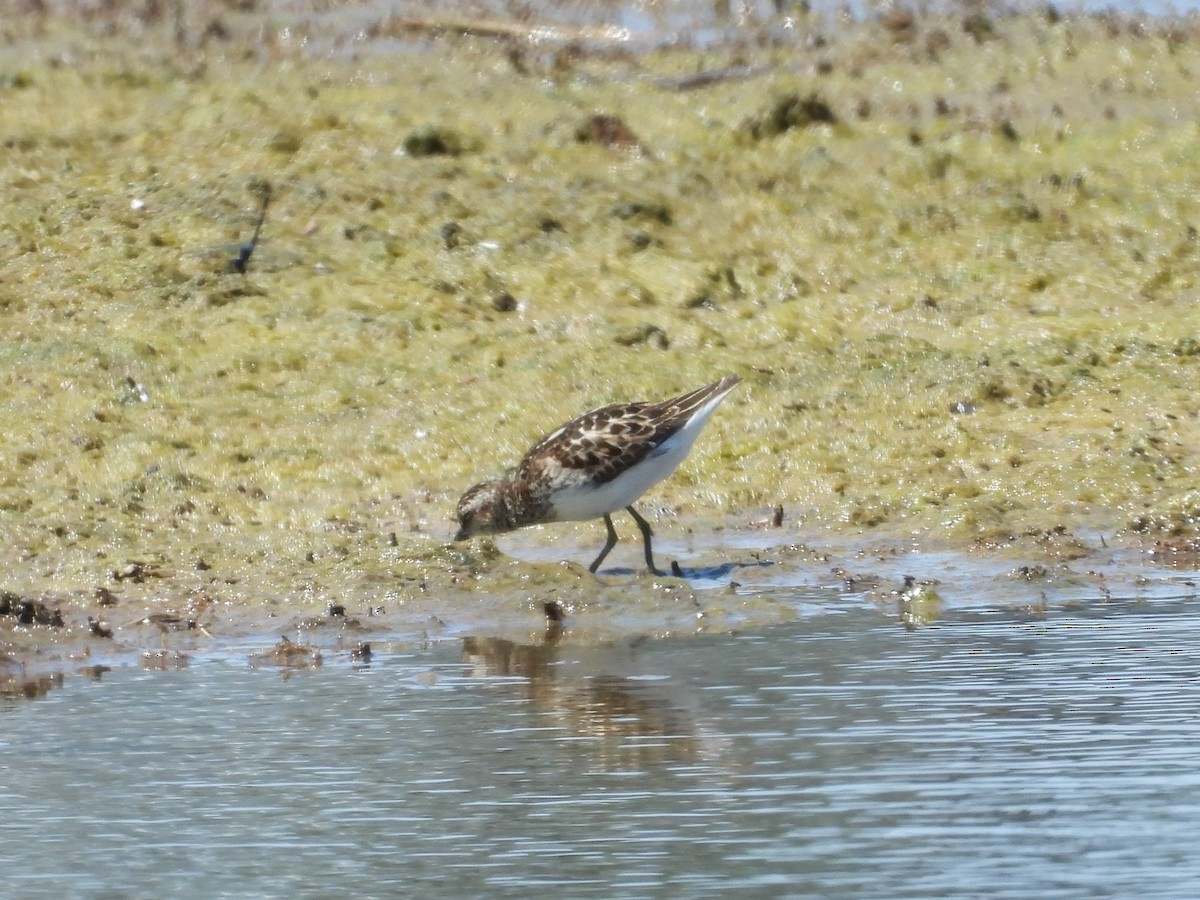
{"x": 586, "y": 500}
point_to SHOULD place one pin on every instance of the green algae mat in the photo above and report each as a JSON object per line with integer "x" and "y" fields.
{"x": 955, "y": 261}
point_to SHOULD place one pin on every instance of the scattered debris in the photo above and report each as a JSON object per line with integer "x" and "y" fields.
{"x": 104, "y": 596}
{"x": 646, "y": 333}
{"x": 643, "y": 212}
{"x": 788, "y": 112}
{"x": 99, "y": 628}
{"x": 503, "y": 301}
{"x": 288, "y": 655}
{"x": 1178, "y": 552}
{"x": 135, "y": 571}
{"x": 609, "y": 131}
{"x": 29, "y": 612}
{"x": 856, "y": 583}
{"x": 431, "y": 141}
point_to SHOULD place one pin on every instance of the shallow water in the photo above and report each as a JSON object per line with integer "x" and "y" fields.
{"x": 838, "y": 755}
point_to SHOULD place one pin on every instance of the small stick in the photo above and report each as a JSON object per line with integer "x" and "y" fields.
{"x": 241, "y": 262}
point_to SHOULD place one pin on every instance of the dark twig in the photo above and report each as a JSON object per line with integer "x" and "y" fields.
{"x": 241, "y": 262}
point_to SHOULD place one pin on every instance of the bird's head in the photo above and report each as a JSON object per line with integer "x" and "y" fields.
{"x": 481, "y": 510}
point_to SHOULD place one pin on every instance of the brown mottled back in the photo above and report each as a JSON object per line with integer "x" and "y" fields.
{"x": 583, "y": 444}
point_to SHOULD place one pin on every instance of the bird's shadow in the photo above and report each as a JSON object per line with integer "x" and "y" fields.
{"x": 702, "y": 573}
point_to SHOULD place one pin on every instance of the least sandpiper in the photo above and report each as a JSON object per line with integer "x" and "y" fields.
{"x": 592, "y": 466}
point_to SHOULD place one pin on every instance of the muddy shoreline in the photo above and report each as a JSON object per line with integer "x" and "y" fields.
{"x": 952, "y": 257}
{"x": 737, "y": 579}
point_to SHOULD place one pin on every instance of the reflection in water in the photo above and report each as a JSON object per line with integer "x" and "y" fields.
{"x": 633, "y": 721}
{"x": 29, "y": 687}
{"x": 18, "y": 683}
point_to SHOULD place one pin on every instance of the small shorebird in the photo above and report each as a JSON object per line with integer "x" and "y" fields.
{"x": 592, "y": 466}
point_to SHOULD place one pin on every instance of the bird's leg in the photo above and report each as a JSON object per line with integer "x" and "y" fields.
{"x": 608, "y": 545}
{"x": 644, "y": 527}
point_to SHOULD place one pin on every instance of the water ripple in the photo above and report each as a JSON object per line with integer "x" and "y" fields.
{"x": 835, "y": 756}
